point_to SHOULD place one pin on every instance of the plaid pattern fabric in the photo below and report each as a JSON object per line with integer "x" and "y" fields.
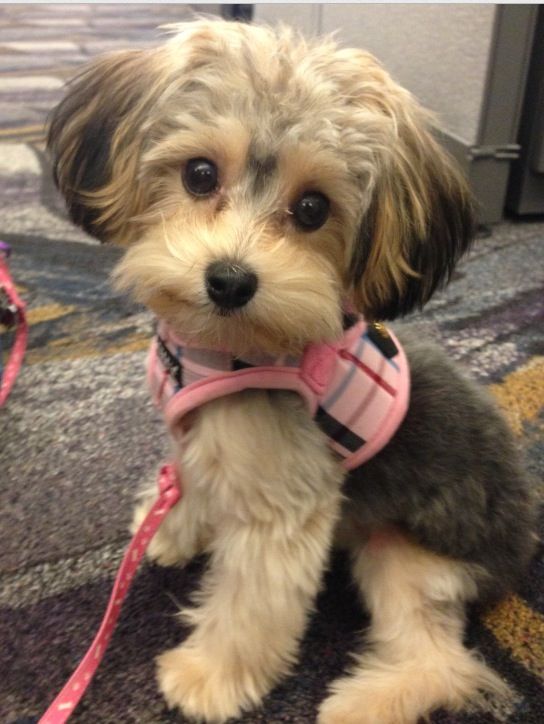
{"x": 180, "y": 366}
{"x": 359, "y": 407}
{"x": 363, "y": 389}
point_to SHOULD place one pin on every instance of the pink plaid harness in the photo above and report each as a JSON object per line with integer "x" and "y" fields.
{"x": 357, "y": 389}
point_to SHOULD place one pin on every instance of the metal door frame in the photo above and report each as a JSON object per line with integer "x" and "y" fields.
{"x": 487, "y": 162}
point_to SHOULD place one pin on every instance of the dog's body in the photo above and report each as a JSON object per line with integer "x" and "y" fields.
{"x": 309, "y": 184}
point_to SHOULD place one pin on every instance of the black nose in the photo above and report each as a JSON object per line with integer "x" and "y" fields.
{"x": 230, "y": 285}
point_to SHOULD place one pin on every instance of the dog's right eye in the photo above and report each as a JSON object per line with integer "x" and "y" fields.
{"x": 311, "y": 211}
{"x": 200, "y": 176}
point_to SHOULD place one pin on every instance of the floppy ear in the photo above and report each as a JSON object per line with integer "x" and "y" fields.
{"x": 421, "y": 215}
{"x": 94, "y": 139}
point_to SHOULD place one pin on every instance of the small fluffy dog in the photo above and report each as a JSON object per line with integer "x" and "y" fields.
{"x": 264, "y": 185}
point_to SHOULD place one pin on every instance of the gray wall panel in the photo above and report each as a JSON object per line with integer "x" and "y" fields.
{"x": 439, "y": 52}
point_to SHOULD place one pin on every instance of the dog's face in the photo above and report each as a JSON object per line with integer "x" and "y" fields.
{"x": 262, "y": 184}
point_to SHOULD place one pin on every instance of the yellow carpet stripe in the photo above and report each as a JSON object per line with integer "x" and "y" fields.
{"x": 66, "y": 348}
{"x": 515, "y": 626}
{"x": 39, "y": 127}
{"x": 7, "y": 137}
{"x": 521, "y": 394}
{"x": 519, "y": 630}
{"x": 48, "y": 312}
{"x": 62, "y": 70}
{"x": 24, "y": 139}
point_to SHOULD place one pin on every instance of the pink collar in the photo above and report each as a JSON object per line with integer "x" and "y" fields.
{"x": 357, "y": 388}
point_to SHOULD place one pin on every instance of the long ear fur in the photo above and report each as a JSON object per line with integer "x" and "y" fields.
{"x": 94, "y": 138}
{"x": 421, "y": 216}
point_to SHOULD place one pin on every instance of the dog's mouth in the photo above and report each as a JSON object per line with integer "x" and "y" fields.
{"x": 238, "y": 331}
{"x": 220, "y": 312}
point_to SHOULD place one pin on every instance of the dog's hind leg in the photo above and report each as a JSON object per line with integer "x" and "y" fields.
{"x": 416, "y": 661}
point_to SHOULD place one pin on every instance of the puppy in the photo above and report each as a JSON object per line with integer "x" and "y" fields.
{"x": 267, "y": 189}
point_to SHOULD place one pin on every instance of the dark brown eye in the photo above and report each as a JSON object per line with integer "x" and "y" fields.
{"x": 200, "y": 176}
{"x": 311, "y": 211}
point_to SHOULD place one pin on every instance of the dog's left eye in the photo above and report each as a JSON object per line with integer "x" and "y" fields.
{"x": 200, "y": 176}
{"x": 311, "y": 211}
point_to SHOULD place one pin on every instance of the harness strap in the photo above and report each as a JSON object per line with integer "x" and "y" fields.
{"x": 65, "y": 703}
{"x": 11, "y": 370}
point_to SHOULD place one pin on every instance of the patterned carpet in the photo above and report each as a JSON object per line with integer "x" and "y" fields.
{"x": 79, "y": 434}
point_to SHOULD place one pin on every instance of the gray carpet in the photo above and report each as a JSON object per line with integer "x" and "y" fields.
{"x": 79, "y": 433}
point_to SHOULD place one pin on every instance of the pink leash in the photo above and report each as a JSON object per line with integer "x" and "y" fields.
{"x": 65, "y": 703}
{"x": 13, "y": 313}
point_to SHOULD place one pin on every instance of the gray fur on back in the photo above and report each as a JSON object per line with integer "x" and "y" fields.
{"x": 452, "y": 476}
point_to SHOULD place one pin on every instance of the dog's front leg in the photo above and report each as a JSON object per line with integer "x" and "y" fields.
{"x": 276, "y": 504}
{"x": 257, "y": 594}
{"x": 184, "y": 532}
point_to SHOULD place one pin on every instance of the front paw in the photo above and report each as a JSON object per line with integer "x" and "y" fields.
{"x": 203, "y": 687}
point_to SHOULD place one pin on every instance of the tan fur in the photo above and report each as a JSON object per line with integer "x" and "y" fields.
{"x": 261, "y": 489}
{"x": 268, "y": 525}
{"x": 415, "y": 660}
